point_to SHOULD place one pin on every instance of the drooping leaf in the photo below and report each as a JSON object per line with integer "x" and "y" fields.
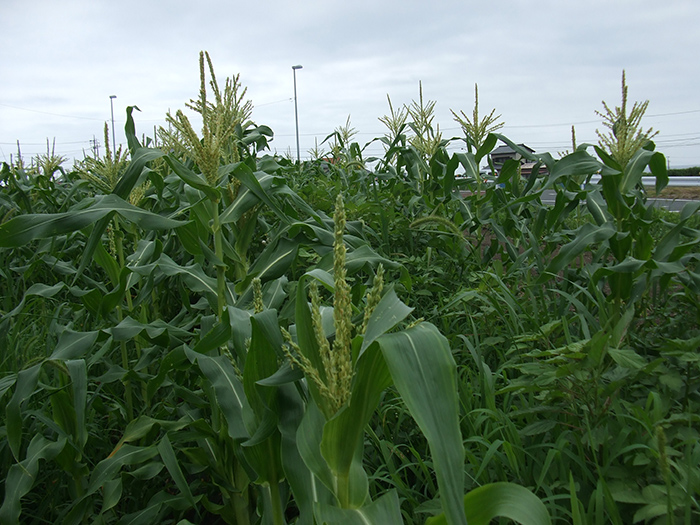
{"x": 585, "y": 236}
{"x": 25, "y": 386}
{"x": 419, "y": 360}
{"x": 385, "y": 510}
{"x": 22, "y": 476}
{"x": 228, "y": 389}
{"x": 577, "y": 163}
{"x": 501, "y": 500}
{"x": 167, "y": 454}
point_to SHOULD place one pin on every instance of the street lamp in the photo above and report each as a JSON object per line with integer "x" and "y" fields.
{"x": 296, "y": 113}
{"x": 114, "y": 142}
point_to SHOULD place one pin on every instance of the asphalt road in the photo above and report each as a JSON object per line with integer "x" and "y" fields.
{"x": 548, "y": 197}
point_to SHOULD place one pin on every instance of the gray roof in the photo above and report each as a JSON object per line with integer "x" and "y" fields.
{"x": 503, "y": 150}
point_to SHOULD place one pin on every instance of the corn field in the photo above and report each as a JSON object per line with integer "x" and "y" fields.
{"x": 194, "y": 330}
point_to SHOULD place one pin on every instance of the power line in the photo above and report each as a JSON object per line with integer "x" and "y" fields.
{"x": 270, "y": 103}
{"x": 49, "y": 113}
{"x": 41, "y": 143}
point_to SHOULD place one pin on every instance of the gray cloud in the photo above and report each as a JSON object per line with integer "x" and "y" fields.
{"x": 543, "y": 65}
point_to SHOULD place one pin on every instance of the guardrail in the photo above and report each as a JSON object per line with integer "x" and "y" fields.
{"x": 672, "y": 181}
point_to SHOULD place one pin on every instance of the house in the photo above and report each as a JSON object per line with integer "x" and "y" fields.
{"x": 502, "y": 153}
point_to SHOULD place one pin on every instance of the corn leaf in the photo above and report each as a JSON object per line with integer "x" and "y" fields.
{"x": 308, "y": 439}
{"x": 72, "y": 345}
{"x": 386, "y": 510}
{"x": 343, "y": 435}
{"x": 387, "y": 314}
{"x": 420, "y": 361}
{"x": 246, "y": 199}
{"x": 500, "y": 500}
{"x": 167, "y": 454}
{"x": 306, "y": 488}
{"x": 228, "y": 390}
{"x": 78, "y": 374}
{"x": 24, "y": 388}
{"x": 577, "y": 163}
{"x": 21, "y": 476}
{"x": 585, "y": 236}
{"x": 25, "y": 228}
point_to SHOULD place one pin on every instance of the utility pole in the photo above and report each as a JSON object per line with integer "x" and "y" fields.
{"x": 95, "y": 147}
{"x": 114, "y": 141}
{"x": 296, "y": 113}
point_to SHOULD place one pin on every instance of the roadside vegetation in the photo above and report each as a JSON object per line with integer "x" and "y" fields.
{"x": 195, "y": 331}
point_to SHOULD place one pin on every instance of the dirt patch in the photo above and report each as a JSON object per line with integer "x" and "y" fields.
{"x": 675, "y": 192}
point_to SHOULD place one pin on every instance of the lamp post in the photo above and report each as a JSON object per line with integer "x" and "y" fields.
{"x": 296, "y": 113}
{"x": 114, "y": 142}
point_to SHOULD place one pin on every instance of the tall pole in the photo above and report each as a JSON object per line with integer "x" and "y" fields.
{"x": 296, "y": 112}
{"x": 114, "y": 141}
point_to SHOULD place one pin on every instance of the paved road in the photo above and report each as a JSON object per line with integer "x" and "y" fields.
{"x": 548, "y": 197}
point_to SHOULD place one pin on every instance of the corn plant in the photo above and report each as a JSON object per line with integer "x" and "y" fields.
{"x": 217, "y": 336}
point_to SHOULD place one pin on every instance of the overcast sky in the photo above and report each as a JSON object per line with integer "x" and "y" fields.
{"x": 544, "y": 65}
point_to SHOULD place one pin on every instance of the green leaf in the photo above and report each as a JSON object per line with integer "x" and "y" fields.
{"x": 470, "y": 164}
{"x": 261, "y": 361}
{"x": 193, "y": 179}
{"x": 597, "y": 206}
{"x": 246, "y": 199}
{"x": 217, "y": 336}
{"x": 627, "y": 358}
{"x": 145, "y": 219}
{"x": 140, "y": 157}
{"x": 273, "y": 262}
{"x": 252, "y": 182}
{"x": 24, "y": 388}
{"x": 387, "y": 314}
{"x": 585, "y": 236}
{"x": 658, "y": 168}
{"x": 343, "y": 434}
{"x": 285, "y": 374}
{"x": 21, "y": 477}
{"x": 25, "y": 228}
{"x": 228, "y": 389}
{"x": 6, "y": 383}
{"x": 305, "y": 487}
{"x": 108, "y": 468}
{"x": 193, "y": 276}
{"x": 308, "y": 442}
{"x": 365, "y": 255}
{"x": 501, "y": 500}
{"x": 386, "y": 510}
{"x": 44, "y": 290}
{"x": 420, "y": 361}
{"x": 77, "y": 371}
{"x": 486, "y": 147}
{"x": 111, "y": 494}
{"x": 108, "y": 263}
{"x": 167, "y": 454}
{"x": 577, "y": 163}
{"x": 634, "y": 171}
